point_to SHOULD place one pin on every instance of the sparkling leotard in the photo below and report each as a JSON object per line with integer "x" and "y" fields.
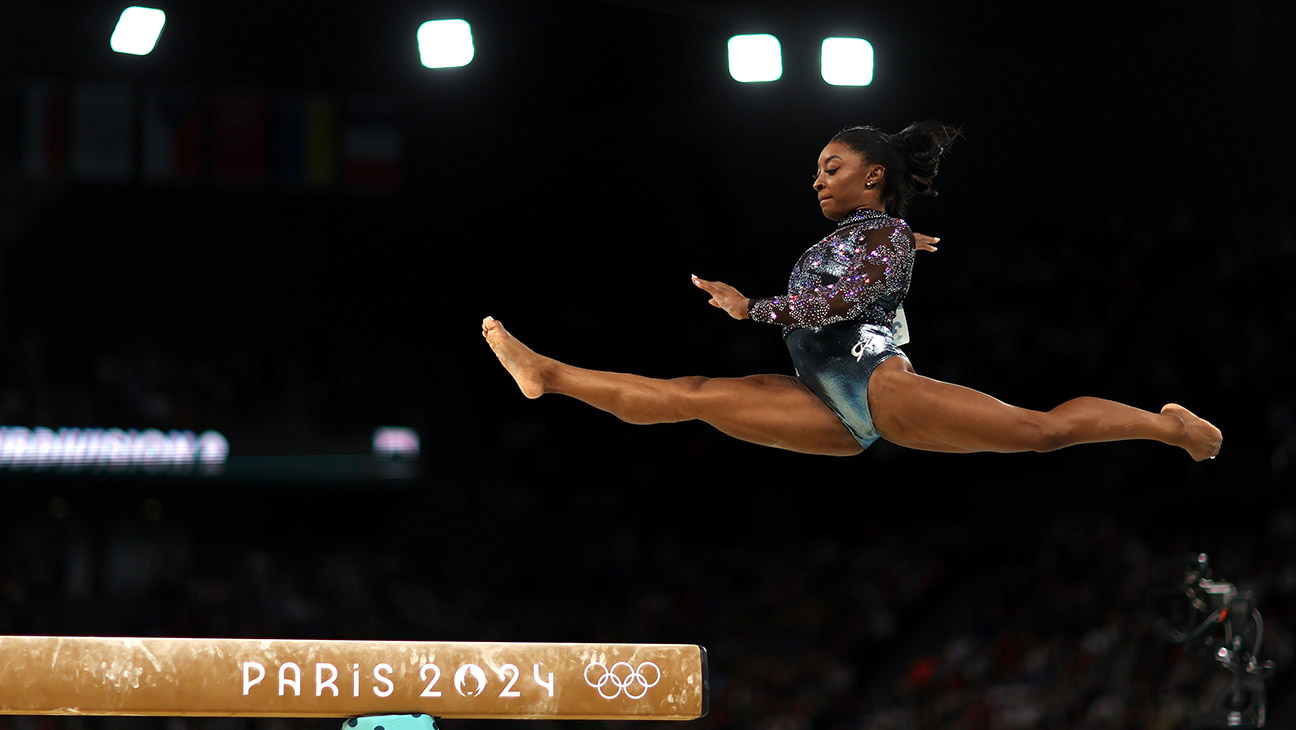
{"x": 836, "y": 317}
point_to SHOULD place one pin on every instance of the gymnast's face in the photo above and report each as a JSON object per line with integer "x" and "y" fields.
{"x": 846, "y": 182}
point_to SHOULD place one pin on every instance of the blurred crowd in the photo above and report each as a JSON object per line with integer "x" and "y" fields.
{"x": 1070, "y": 637}
{"x": 898, "y": 624}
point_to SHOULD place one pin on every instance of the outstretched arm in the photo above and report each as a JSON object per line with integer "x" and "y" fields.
{"x": 737, "y": 306}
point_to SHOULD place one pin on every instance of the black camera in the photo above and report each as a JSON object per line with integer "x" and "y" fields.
{"x": 1213, "y": 618}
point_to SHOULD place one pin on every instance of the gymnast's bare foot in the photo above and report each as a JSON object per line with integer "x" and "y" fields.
{"x": 1201, "y": 439}
{"x": 526, "y": 367}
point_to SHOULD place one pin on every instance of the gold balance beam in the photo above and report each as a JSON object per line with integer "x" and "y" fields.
{"x": 84, "y": 675}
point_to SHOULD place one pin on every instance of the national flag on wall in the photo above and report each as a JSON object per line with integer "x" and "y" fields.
{"x": 306, "y": 142}
{"x": 239, "y": 138}
{"x": 11, "y": 131}
{"x": 372, "y": 145}
{"x": 43, "y": 119}
{"x": 102, "y": 138}
{"x": 172, "y": 135}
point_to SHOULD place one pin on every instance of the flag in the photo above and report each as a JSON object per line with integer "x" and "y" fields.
{"x": 372, "y": 145}
{"x": 44, "y": 130}
{"x": 306, "y": 142}
{"x": 102, "y": 132}
{"x": 239, "y": 138}
{"x": 172, "y": 135}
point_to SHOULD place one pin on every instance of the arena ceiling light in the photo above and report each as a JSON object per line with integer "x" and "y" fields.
{"x": 137, "y": 30}
{"x": 445, "y": 43}
{"x": 755, "y": 58}
{"x": 847, "y": 61}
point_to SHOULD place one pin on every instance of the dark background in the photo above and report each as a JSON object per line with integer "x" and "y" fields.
{"x": 1116, "y": 223}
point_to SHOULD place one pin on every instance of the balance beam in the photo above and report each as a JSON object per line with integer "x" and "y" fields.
{"x": 84, "y": 675}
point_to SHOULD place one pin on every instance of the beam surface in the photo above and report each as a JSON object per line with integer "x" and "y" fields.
{"x": 83, "y": 675}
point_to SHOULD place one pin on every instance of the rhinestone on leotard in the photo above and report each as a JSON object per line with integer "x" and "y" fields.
{"x": 860, "y": 272}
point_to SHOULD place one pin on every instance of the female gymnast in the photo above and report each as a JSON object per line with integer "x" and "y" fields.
{"x": 853, "y": 383}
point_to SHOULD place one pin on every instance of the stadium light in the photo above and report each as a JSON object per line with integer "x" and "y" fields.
{"x": 847, "y": 61}
{"x": 445, "y": 43}
{"x": 137, "y": 30}
{"x": 755, "y": 58}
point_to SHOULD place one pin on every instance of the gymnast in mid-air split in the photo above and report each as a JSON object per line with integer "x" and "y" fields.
{"x": 853, "y": 385}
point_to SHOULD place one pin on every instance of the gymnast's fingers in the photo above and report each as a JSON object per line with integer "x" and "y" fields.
{"x": 923, "y": 242}
{"x": 710, "y": 287}
{"x": 714, "y": 288}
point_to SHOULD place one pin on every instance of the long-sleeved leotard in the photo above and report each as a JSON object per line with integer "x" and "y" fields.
{"x": 860, "y": 273}
{"x": 836, "y": 317}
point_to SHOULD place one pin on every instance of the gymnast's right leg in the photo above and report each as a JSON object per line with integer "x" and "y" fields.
{"x": 769, "y": 410}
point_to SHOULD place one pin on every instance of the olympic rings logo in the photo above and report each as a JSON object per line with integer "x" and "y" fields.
{"x": 623, "y": 677}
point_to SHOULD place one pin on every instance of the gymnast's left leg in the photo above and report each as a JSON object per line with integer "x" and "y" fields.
{"x": 769, "y": 410}
{"x": 921, "y": 413}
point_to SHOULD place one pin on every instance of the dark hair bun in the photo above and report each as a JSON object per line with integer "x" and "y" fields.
{"x": 911, "y": 158}
{"x": 923, "y": 144}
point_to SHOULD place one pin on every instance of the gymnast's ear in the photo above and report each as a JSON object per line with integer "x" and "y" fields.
{"x": 874, "y": 174}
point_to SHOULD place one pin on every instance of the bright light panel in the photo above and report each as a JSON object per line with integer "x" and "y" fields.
{"x": 137, "y": 30}
{"x": 445, "y": 43}
{"x": 754, "y": 58}
{"x": 847, "y": 61}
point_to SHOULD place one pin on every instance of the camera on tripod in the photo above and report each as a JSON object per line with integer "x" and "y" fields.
{"x": 1214, "y": 618}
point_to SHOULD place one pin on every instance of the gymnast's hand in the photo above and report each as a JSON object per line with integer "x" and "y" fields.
{"x": 924, "y": 243}
{"x": 725, "y": 297}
